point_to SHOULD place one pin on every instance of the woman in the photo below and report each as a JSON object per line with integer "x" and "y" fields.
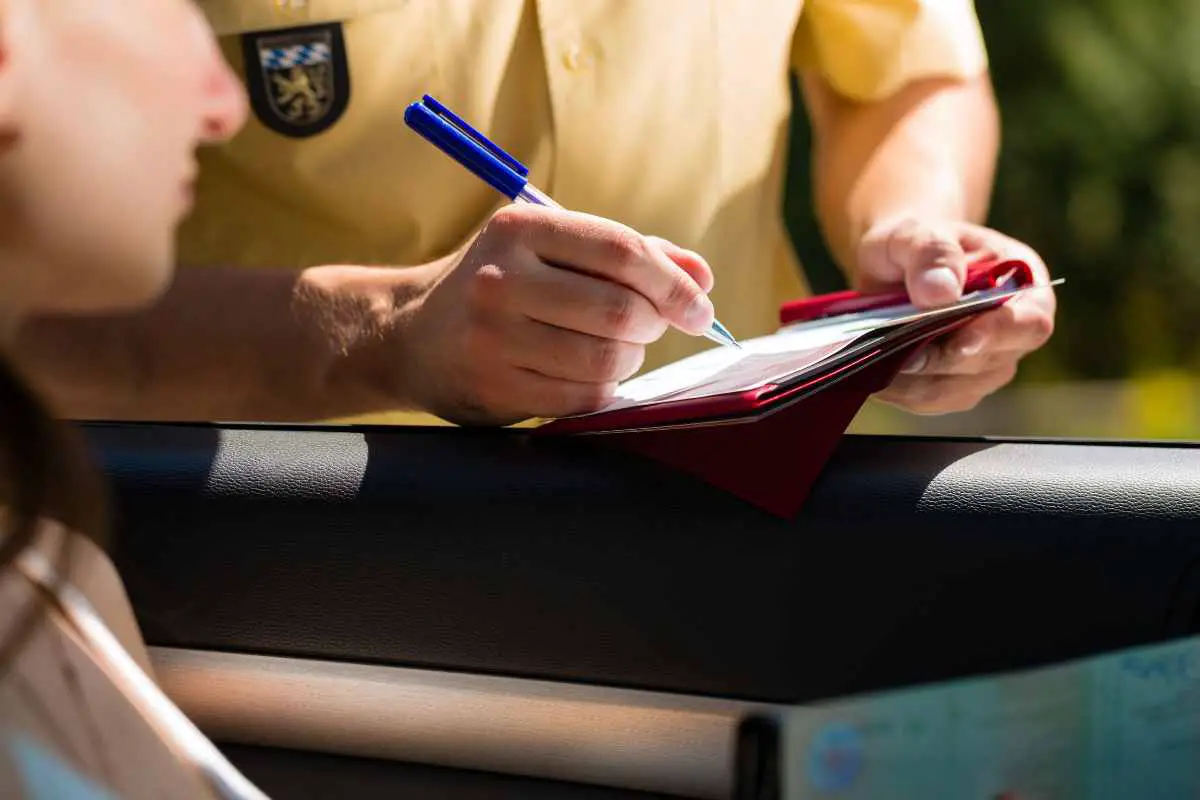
{"x": 102, "y": 104}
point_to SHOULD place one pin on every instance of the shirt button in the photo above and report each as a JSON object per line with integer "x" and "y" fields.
{"x": 572, "y": 58}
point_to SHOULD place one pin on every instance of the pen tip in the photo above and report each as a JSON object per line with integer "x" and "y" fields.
{"x": 725, "y": 335}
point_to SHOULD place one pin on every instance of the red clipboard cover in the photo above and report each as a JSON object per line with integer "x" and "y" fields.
{"x": 982, "y": 274}
{"x": 769, "y": 445}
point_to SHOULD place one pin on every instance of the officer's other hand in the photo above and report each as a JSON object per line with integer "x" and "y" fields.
{"x": 930, "y": 258}
{"x": 545, "y": 312}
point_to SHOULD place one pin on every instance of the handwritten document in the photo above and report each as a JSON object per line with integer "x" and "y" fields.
{"x": 786, "y": 355}
{"x": 1121, "y": 725}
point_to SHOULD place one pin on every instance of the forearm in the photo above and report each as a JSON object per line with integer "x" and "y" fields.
{"x": 232, "y": 344}
{"x": 930, "y": 150}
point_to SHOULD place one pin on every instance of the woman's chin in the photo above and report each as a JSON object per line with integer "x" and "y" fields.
{"x": 115, "y": 291}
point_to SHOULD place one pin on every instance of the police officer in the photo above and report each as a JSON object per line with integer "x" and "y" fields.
{"x": 338, "y": 265}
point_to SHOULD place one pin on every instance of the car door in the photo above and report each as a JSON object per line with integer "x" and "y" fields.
{"x": 457, "y": 613}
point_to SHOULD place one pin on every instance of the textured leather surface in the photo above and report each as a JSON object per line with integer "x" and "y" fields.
{"x": 913, "y": 560}
{"x": 298, "y": 775}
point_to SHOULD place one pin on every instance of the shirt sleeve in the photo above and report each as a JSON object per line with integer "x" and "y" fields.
{"x": 868, "y": 49}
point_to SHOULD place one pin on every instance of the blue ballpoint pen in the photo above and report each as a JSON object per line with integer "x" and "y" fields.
{"x": 470, "y": 148}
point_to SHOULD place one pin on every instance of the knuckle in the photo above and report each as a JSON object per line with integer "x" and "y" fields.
{"x": 1005, "y": 317}
{"x": 593, "y": 396}
{"x": 620, "y": 311}
{"x": 932, "y": 249}
{"x": 510, "y": 224}
{"x": 906, "y": 226}
{"x": 512, "y": 215}
{"x": 604, "y": 360}
{"x": 956, "y": 363}
{"x": 486, "y": 284}
{"x": 903, "y": 230}
{"x": 625, "y": 250}
{"x": 1042, "y": 327}
{"x": 1006, "y": 373}
{"x": 1028, "y": 324}
{"x": 635, "y": 364}
{"x": 681, "y": 291}
{"x": 927, "y": 360}
{"x": 936, "y": 359}
{"x": 994, "y": 363}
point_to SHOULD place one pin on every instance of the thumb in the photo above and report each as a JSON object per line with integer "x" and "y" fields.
{"x": 928, "y": 260}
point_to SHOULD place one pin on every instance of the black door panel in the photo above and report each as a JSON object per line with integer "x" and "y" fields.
{"x": 494, "y": 552}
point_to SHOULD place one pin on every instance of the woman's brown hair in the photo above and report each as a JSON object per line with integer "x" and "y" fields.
{"x": 44, "y": 474}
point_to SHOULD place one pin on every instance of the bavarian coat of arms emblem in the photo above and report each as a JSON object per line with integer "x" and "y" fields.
{"x": 297, "y": 78}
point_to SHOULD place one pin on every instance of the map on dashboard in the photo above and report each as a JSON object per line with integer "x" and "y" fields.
{"x": 1123, "y": 725}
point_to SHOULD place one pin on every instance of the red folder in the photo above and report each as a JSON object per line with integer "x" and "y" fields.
{"x": 768, "y": 445}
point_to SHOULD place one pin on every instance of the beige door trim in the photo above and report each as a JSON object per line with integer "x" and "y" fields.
{"x": 648, "y": 741}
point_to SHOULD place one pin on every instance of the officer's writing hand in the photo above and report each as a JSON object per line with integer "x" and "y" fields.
{"x": 545, "y": 312}
{"x": 930, "y": 258}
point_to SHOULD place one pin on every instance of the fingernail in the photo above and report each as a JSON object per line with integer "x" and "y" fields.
{"x": 972, "y": 343}
{"x": 699, "y": 315}
{"x": 915, "y": 364}
{"x": 939, "y": 284}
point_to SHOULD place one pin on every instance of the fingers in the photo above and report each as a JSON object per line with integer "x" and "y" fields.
{"x": 944, "y": 394}
{"x": 556, "y": 398}
{"x": 954, "y": 374}
{"x": 508, "y": 369}
{"x": 520, "y": 394}
{"x": 567, "y": 355}
{"x": 608, "y": 250}
{"x": 547, "y": 311}
{"x": 691, "y": 262}
{"x": 587, "y": 305}
{"x": 1005, "y": 334}
{"x": 929, "y": 260}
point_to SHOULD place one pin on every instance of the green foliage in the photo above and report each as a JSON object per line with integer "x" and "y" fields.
{"x": 1100, "y": 172}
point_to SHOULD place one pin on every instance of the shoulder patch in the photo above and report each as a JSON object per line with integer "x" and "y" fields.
{"x": 297, "y": 79}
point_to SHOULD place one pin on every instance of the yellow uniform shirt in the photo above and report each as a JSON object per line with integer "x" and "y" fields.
{"x": 670, "y": 116}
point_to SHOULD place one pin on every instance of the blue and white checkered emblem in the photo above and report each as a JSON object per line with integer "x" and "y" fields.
{"x": 301, "y": 86}
{"x": 297, "y": 55}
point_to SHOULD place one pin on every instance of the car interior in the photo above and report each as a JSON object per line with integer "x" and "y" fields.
{"x": 457, "y": 613}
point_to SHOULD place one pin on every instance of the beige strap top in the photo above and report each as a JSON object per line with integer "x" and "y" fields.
{"x": 80, "y": 689}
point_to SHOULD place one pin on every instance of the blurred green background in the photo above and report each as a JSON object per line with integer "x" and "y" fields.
{"x": 1100, "y": 173}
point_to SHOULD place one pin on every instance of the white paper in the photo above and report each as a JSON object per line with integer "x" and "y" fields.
{"x": 758, "y": 361}
{"x": 781, "y": 356}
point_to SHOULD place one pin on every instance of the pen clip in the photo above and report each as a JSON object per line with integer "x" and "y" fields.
{"x": 476, "y": 136}
{"x": 454, "y": 136}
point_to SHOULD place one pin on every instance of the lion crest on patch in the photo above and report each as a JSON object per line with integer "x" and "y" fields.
{"x": 297, "y": 78}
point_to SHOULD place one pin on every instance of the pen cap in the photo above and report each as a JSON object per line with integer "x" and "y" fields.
{"x": 467, "y": 146}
